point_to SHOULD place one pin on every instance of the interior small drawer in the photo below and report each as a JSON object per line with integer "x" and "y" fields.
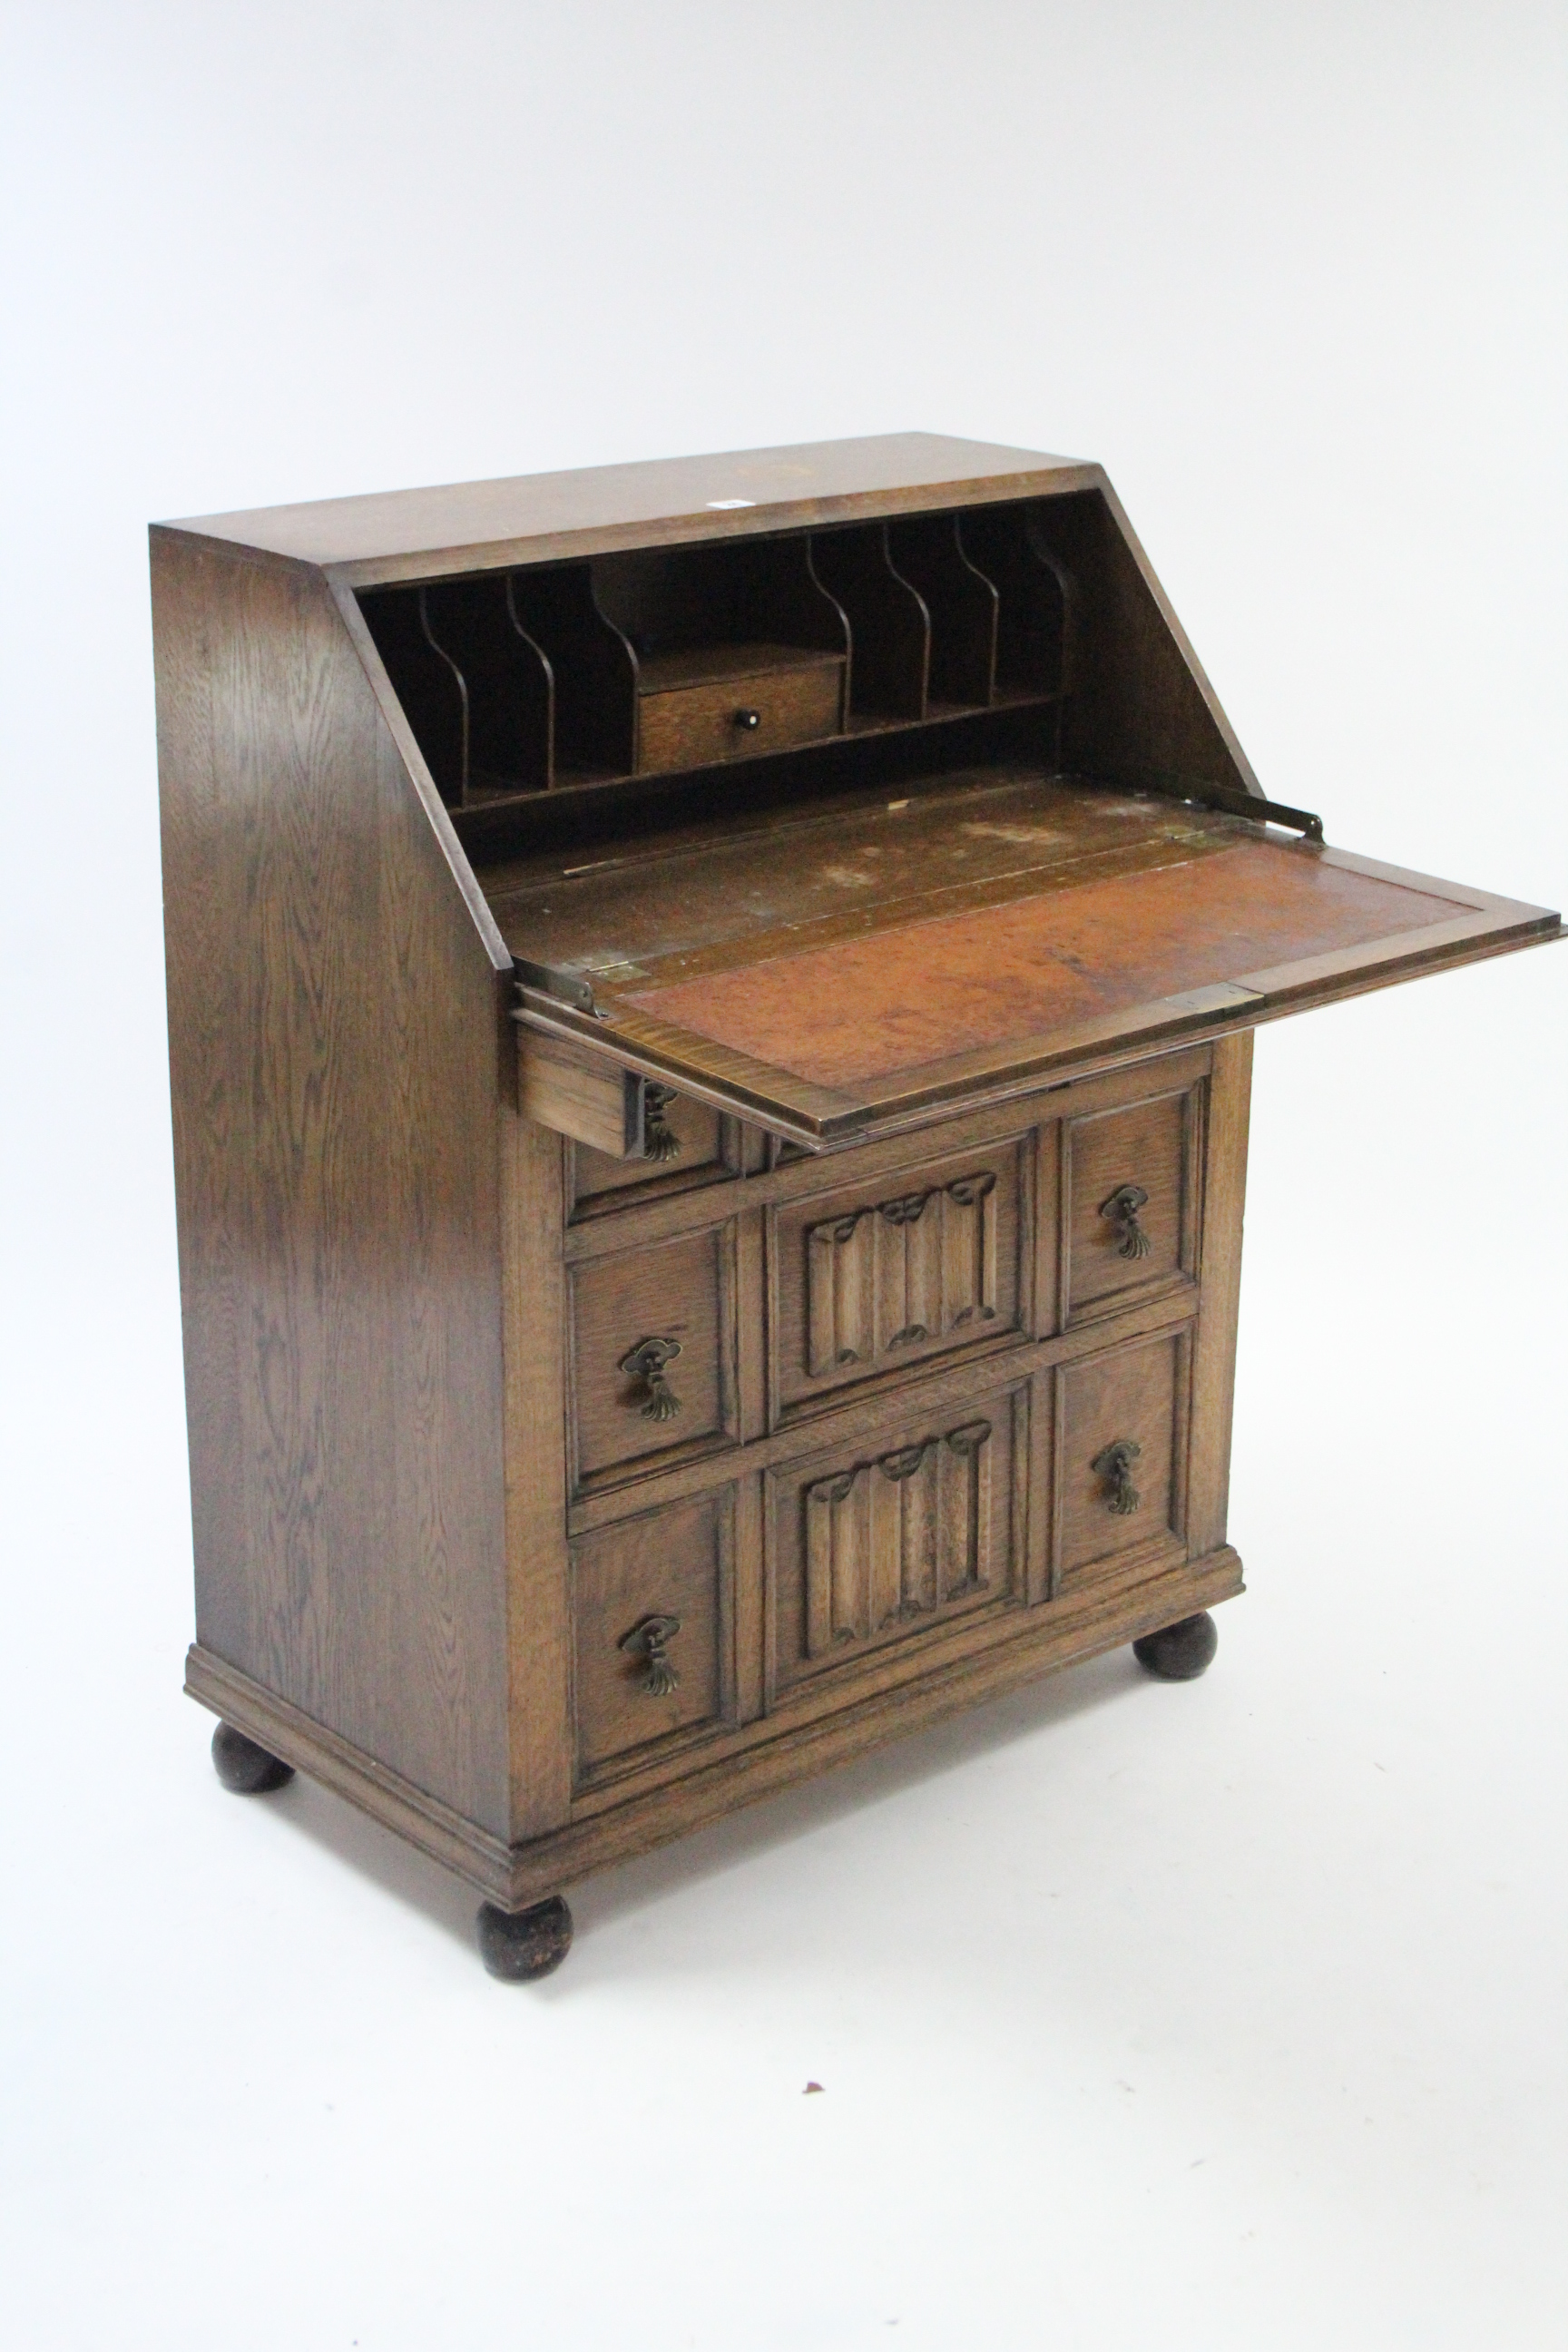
{"x": 874, "y": 1279}
{"x": 1121, "y": 1438}
{"x": 653, "y": 1633}
{"x": 652, "y": 1352}
{"x": 739, "y": 714}
{"x": 1130, "y": 1179}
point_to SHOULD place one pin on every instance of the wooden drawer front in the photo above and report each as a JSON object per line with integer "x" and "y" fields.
{"x": 930, "y": 1262}
{"x": 1118, "y": 1244}
{"x": 1112, "y": 1500}
{"x": 879, "y": 1545}
{"x": 674, "y": 1302}
{"x": 652, "y": 1633}
{"x": 689, "y": 1144}
{"x": 693, "y": 726}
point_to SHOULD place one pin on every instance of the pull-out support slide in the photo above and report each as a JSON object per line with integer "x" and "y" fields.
{"x": 582, "y": 1095}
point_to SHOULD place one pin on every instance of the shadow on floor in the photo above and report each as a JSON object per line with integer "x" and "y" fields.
{"x": 401, "y": 1871}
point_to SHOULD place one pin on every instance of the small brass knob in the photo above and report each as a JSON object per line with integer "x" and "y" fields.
{"x": 748, "y": 721}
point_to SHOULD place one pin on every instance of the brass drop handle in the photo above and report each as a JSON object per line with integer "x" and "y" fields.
{"x": 645, "y": 1364}
{"x": 748, "y": 721}
{"x": 645, "y": 1642}
{"x": 1114, "y": 1464}
{"x": 659, "y": 1139}
{"x": 1122, "y": 1210}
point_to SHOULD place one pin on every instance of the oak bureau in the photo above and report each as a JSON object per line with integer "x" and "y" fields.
{"x": 710, "y": 1011}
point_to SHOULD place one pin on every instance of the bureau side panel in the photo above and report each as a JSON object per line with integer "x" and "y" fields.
{"x": 1142, "y": 710}
{"x": 336, "y": 1032}
{"x": 1214, "y": 1368}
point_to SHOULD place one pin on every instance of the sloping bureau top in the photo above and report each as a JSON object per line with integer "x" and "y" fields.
{"x": 530, "y": 517}
{"x": 839, "y": 785}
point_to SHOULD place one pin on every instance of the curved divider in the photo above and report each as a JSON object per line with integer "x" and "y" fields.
{"x": 1035, "y": 598}
{"x": 738, "y": 646}
{"x": 508, "y": 685}
{"x": 594, "y": 666}
{"x": 962, "y": 601}
{"x": 890, "y": 630}
{"x": 429, "y": 684}
{"x": 677, "y": 601}
{"x": 670, "y": 660}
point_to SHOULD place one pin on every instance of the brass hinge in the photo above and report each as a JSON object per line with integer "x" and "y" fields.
{"x": 566, "y": 987}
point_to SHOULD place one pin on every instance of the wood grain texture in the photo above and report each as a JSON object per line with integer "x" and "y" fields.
{"x": 1133, "y": 1392}
{"x": 1149, "y": 1145}
{"x": 889, "y": 626}
{"x": 612, "y": 1826}
{"x": 470, "y": 526}
{"x": 706, "y": 1150}
{"x": 1142, "y": 711}
{"x": 537, "y": 1385}
{"x": 861, "y": 1011}
{"x": 1213, "y": 1352}
{"x": 336, "y": 1029}
{"x": 678, "y": 1564}
{"x": 885, "y": 1278}
{"x": 753, "y": 710}
{"x": 532, "y": 1608}
{"x": 864, "y": 1416}
{"x": 682, "y": 1294}
{"x": 885, "y": 1544}
{"x": 581, "y": 1095}
{"x": 730, "y": 891}
{"x": 856, "y": 968}
{"x": 892, "y": 1164}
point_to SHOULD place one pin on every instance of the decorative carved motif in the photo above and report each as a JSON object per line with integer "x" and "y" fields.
{"x": 659, "y": 1139}
{"x": 909, "y": 1270}
{"x": 1114, "y": 1464}
{"x": 646, "y": 1363}
{"x": 1121, "y": 1210}
{"x": 840, "y": 1292}
{"x": 645, "y": 1643}
{"x": 968, "y": 1549}
{"x": 892, "y": 1542}
{"x": 900, "y": 1273}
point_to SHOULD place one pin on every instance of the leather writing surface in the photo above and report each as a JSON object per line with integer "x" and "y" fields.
{"x": 865, "y": 1008}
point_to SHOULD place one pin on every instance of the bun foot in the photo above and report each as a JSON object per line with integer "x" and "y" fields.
{"x": 1179, "y": 1654}
{"x": 244, "y": 1767}
{"x": 518, "y": 1946}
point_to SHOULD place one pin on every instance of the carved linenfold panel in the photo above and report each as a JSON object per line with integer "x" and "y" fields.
{"x": 967, "y": 1531}
{"x": 909, "y": 1270}
{"x": 899, "y": 1274}
{"x": 840, "y": 1292}
{"x": 833, "y": 1547}
{"x": 889, "y": 1542}
{"x": 904, "y": 1529}
{"x": 969, "y": 1250}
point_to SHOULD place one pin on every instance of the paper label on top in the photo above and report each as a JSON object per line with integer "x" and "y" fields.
{"x": 1218, "y": 997}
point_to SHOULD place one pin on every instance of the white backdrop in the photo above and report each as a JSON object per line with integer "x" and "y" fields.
{"x": 1225, "y": 2017}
